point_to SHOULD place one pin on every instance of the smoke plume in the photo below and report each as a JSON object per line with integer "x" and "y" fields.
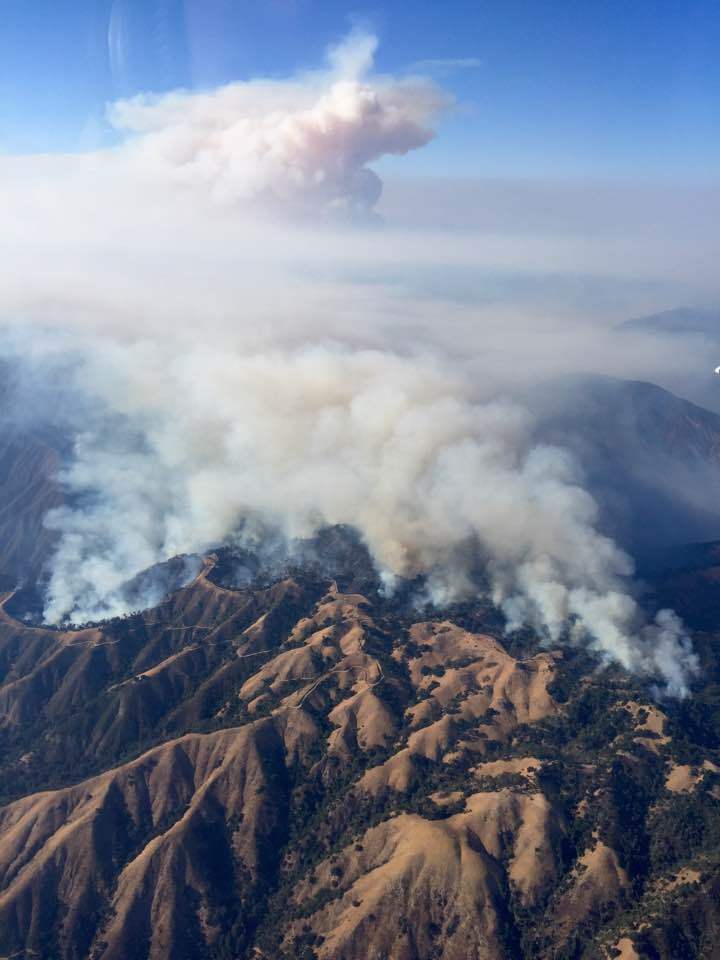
{"x": 234, "y": 366}
{"x": 294, "y": 145}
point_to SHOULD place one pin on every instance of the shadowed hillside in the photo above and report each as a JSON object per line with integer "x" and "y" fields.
{"x": 651, "y": 459}
{"x": 28, "y": 489}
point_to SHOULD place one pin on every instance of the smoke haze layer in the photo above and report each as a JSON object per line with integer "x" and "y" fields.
{"x": 246, "y": 354}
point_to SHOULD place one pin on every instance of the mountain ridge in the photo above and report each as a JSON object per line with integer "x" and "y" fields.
{"x": 282, "y": 760}
{"x": 357, "y": 749}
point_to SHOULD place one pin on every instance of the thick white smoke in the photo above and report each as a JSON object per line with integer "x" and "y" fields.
{"x": 244, "y": 367}
{"x": 396, "y": 446}
{"x": 303, "y": 144}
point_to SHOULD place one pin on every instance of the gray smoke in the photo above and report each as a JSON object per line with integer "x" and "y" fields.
{"x": 245, "y": 368}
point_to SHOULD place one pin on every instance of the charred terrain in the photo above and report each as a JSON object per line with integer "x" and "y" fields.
{"x": 288, "y": 763}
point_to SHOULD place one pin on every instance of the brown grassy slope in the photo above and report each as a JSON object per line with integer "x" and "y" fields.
{"x": 81, "y": 700}
{"x": 362, "y": 786}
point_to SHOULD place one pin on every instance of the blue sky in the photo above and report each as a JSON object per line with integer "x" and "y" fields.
{"x": 589, "y": 88}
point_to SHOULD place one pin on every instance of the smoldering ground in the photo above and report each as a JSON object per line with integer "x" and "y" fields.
{"x": 249, "y": 342}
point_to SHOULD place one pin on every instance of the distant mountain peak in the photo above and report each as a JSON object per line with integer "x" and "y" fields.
{"x": 679, "y": 320}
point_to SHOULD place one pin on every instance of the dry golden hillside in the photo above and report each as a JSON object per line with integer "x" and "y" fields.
{"x": 306, "y": 768}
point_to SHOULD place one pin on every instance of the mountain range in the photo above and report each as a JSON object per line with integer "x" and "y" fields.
{"x": 288, "y": 762}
